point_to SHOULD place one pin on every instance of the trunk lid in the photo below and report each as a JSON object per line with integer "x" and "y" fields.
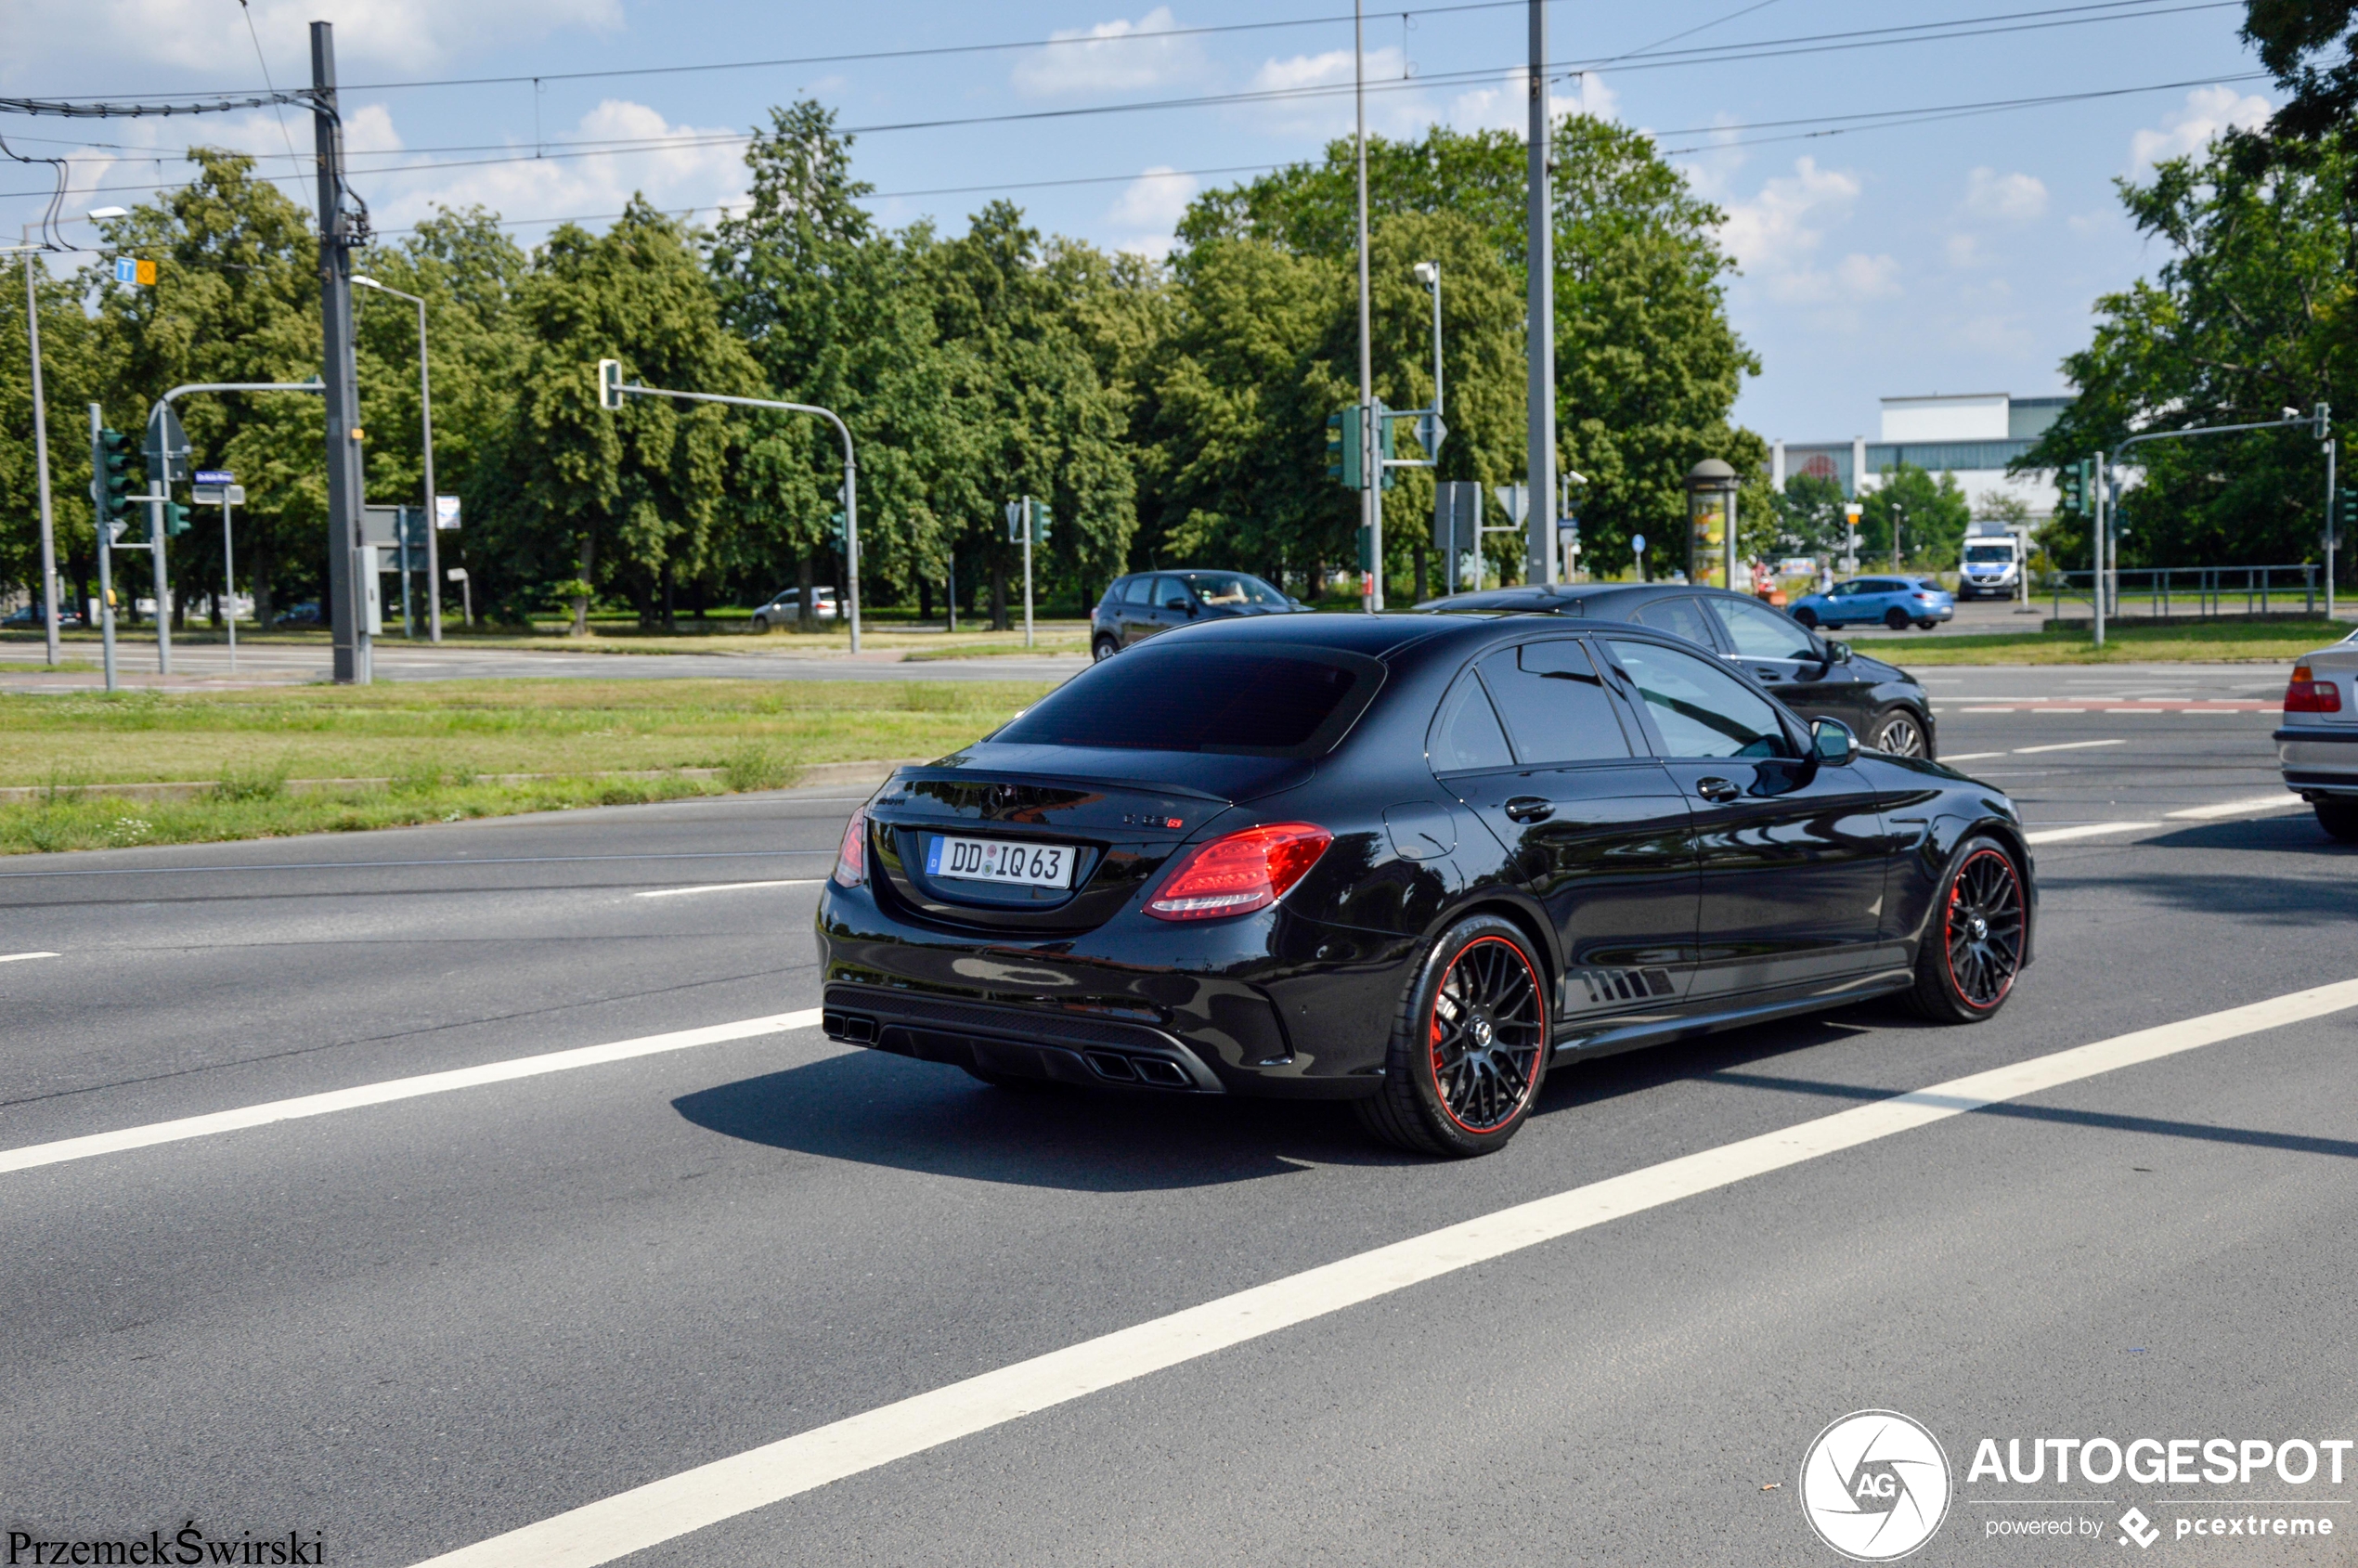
{"x": 1120, "y": 812}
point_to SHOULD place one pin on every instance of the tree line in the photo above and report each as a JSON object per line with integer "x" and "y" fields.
{"x": 1165, "y": 413}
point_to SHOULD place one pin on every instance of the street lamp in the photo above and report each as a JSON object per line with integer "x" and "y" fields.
{"x": 425, "y": 416}
{"x": 1429, "y": 274}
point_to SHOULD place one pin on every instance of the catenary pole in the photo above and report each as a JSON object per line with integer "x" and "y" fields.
{"x": 1370, "y": 432}
{"x": 1540, "y": 307}
{"x": 347, "y": 602}
{"x": 41, "y": 456}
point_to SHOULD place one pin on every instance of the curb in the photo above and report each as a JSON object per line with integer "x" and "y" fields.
{"x": 816, "y": 773}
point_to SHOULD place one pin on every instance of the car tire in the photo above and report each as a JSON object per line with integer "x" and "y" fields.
{"x": 2339, "y": 818}
{"x": 1806, "y": 617}
{"x": 1450, "y": 1086}
{"x": 1926, "y": 625}
{"x": 1103, "y": 649}
{"x": 1902, "y": 733}
{"x": 1973, "y": 942}
{"x": 761, "y": 626}
{"x": 1896, "y": 618}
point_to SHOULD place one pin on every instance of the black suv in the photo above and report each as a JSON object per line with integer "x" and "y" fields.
{"x": 1814, "y": 676}
{"x": 1138, "y": 606}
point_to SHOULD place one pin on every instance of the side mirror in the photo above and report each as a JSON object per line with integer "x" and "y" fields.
{"x": 1838, "y": 651}
{"x": 1831, "y": 741}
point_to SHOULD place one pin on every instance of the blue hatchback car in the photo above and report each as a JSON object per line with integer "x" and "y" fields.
{"x": 1895, "y": 601}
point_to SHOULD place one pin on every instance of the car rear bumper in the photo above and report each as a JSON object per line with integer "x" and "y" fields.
{"x": 1265, "y": 1004}
{"x": 2317, "y": 760}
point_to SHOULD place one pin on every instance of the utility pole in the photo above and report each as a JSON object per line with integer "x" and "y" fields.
{"x": 346, "y": 604}
{"x": 41, "y": 455}
{"x": 1539, "y": 251}
{"x": 2096, "y": 513}
{"x": 2332, "y": 530}
{"x": 159, "y": 492}
{"x": 433, "y": 515}
{"x": 1371, "y": 434}
{"x": 106, "y": 542}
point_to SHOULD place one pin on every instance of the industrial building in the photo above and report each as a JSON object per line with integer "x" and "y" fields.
{"x": 1973, "y": 435}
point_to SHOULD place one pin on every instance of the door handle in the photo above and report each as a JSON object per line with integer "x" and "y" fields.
{"x": 1529, "y": 808}
{"x": 1716, "y": 790}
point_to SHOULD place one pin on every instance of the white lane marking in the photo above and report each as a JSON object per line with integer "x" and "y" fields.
{"x": 18, "y": 957}
{"x": 2085, "y": 830}
{"x": 2064, "y": 746}
{"x": 262, "y": 1115}
{"x": 1972, "y": 756}
{"x": 2251, "y": 805}
{"x": 1984, "y": 711}
{"x": 730, "y": 886}
{"x": 660, "y": 1510}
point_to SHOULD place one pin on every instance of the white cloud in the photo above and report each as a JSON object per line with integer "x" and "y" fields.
{"x": 1149, "y": 209}
{"x": 2208, "y": 112}
{"x": 208, "y": 37}
{"x": 1113, "y": 57}
{"x": 1867, "y": 277}
{"x": 2004, "y": 197}
{"x": 1393, "y": 109}
{"x": 1964, "y": 250}
{"x": 1781, "y": 228}
{"x": 685, "y": 166}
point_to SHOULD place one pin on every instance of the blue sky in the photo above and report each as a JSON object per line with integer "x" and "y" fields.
{"x": 1962, "y": 255}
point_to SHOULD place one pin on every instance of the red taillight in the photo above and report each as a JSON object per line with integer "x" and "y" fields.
{"x": 1240, "y": 872}
{"x": 852, "y": 860}
{"x": 2308, "y": 694}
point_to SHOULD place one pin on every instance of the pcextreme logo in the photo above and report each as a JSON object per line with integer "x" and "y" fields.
{"x": 1874, "y": 1485}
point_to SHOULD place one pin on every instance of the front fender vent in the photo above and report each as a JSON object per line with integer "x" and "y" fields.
{"x": 1609, "y": 986}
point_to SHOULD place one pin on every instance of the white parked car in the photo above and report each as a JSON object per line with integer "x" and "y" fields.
{"x": 786, "y": 608}
{"x": 2318, "y": 745}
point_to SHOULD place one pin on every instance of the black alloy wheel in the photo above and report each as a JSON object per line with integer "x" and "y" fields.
{"x": 1469, "y": 1049}
{"x": 1896, "y": 618}
{"x": 1973, "y": 942}
{"x": 1103, "y": 649}
{"x": 1900, "y": 735}
{"x": 2339, "y": 818}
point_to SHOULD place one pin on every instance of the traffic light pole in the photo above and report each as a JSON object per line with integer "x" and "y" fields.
{"x": 851, "y": 466}
{"x": 106, "y": 547}
{"x": 157, "y": 493}
{"x": 2333, "y": 529}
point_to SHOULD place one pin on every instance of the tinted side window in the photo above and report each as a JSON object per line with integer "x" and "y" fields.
{"x": 1137, "y": 590}
{"x": 1170, "y": 594}
{"x": 1467, "y": 734}
{"x": 1680, "y": 617}
{"x": 1556, "y": 707}
{"x": 1701, "y": 710}
{"x": 1759, "y": 632}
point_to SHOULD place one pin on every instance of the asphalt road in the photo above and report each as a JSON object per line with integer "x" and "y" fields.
{"x": 416, "y": 1325}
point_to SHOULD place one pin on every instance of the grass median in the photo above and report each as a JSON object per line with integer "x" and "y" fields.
{"x": 399, "y": 754}
{"x": 2221, "y": 641}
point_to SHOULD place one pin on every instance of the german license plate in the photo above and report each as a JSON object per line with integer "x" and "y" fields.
{"x": 996, "y": 859}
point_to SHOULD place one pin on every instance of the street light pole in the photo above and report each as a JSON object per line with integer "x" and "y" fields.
{"x": 1539, "y": 329}
{"x": 1370, "y": 431}
{"x": 425, "y": 419}
{"x": 41, "y": 454}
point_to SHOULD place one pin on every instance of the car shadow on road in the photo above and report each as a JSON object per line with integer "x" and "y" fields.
{"x": 882, "y": 1110}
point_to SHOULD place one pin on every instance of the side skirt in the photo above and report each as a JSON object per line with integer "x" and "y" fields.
{"x": 1662, "y": 1031}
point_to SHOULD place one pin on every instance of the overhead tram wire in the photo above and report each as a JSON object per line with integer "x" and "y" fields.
{"x": 1934, "y": 32}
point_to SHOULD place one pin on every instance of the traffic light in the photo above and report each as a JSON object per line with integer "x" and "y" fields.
{"x": 2074, "y": 483}
{"x": 113, "y": 478}
{"x": 835, "y": 531}
{"x": 610, "y": 385}
{"x": 1343, "y": 442}
{"x": 1387, "y": 444}
{"x": 176, "y": 519}
{"x": 1040, "y": 520}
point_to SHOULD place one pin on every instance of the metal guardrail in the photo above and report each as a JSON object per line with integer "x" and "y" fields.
{"x": 2201, "y": 592}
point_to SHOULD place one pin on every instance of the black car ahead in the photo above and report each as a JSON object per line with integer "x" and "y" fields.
{"x": 1143, "y": 603}
{"x": 1814, "y": 676}
{"x": 1407, "y": 861}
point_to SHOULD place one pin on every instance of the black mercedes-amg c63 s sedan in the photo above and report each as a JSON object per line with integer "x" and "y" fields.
{"x": 1410, "y": 861}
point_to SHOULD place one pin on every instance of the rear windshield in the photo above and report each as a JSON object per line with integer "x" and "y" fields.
{"x": 1278, "y": 700}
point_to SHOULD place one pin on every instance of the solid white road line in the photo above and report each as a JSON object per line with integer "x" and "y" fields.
{"x": 262, "y": 1115}
{"x": 1972, "y": 756}
{"x": 731, "y": 887}
{"x": 2251, "y": 805}
{"x": 20, "y": 957}
{"x": 632, "y": 1521}
{"x": 2085, "y": 830}
{"x": 2064, "y": 746}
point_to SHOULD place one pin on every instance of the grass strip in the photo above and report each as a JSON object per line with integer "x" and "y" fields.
{"x": 2215, "y": 642}
{"x": 439, "y": 749}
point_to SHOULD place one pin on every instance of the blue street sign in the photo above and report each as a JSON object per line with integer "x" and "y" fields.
{"x": 126, "y": 269}
{"x": 215, "y": 477}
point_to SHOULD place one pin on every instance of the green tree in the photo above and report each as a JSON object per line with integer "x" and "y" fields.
{"x": 1810, "y": 516}
{"x": 2252, "y": 312}
{"x": 629, "y": 501}
{"x": 72, "y": 377}
{"x": 236, "y": 299}
{"x": 1929, "y": 514}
